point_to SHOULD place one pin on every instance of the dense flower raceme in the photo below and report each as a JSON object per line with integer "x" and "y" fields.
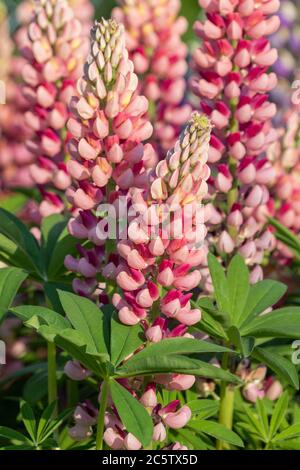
{"x": 83, "y": 11}
{"x": 233, "y": 83}
{"x": 285, "y": 156}
{"x": 287, "y": 41}
{"x": 54, "y": 60}
{"x": 153, "y": 38}
{"x": 108, "y": 128}
{"x": 14, "y": 158}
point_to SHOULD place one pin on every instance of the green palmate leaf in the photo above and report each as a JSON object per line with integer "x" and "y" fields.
{"x": 281, "y": 366}
{"x": 243, "y": 345}
{"x": 133, "y": 415}
{"x": 10, "y": 281}
{"x": 172, "y": 363}
{"x": 281, "y": 323}
{"x": 220, "y": 284}
{"x": 262, "y": 295}
{"x": 204, "y": 408}
{"x": 178, "y": 346}
{"x": 12, "y": 435}
{"x": 19, "y": 244}
{"x": 123, "y": 340}
{"x": 290, "y": 433}
{"x": 87, "y": 318}
{"x": 238, "y": 287}
{"x": 35, "y": 316}
{"x": 279, "y": 413}
{"x": 53, "y": 424}
{"x": 28, "y": 419}
{"x": 211, "y": 318}
{"x": 216, "y": 430}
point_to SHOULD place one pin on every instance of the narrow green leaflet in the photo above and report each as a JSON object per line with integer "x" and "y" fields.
{"x": 220, "y": 283}
{"x": 174, "y": 364}
{"x": 35, "y": 316}
{"x": 27, "y": 250}
{"x": 262, "y": 295}
{"x": 189, "y": 438}
{"x": 87, "y": 318}
{"x": 289, "y": 433}
{"x": 45, "y": 418}
{"x": 244, "y": 345}
{"x": 281, "y": 366}
{"x": 238, "y": 287}
{"x": 133, "y": 415}
{"x": 281, "y": 323}
{"x": 262, "y": 414}
{"x": 178, "y": 346}
{"x": 13, "y": 435}
{"x": 10, "y": 282}
{"x": 216, "y": 430}
{"x": 28, "y": 419}
{"x": 123, "y": 340}
{"x": 279, "y": 413}
{"x": 204, "y": 408}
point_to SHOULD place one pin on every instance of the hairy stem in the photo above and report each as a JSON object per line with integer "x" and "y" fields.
{"x": 226, "y": 402}
{"x": 52, "y": 382}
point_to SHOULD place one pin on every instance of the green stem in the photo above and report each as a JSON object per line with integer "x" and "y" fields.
{"x": 226, "y": 402}
{"x": 101, "y": 415}
{"x": 52, "y": 382}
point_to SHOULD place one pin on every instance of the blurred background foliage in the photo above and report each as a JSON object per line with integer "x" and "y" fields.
{"x": 190, "y": 9}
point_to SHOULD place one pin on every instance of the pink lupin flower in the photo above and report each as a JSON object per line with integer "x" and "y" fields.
{"x": 54, "y": 55}
{"x": 175, "y": 419}
{"x": 153, "y": 38}
{"x": 231, "y": 78}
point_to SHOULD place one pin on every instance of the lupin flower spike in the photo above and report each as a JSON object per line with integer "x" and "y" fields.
{"x": 153, "y": 38}
{"x": 55, "y": 53}
{"x": 232, "y": 81}
{"x": 108, "y": 128}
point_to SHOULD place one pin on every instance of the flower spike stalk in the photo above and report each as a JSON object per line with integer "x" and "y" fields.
{"x": 232, "y": 80}
{"x": 153, "y": 38}
{"x": 54, "y": 54}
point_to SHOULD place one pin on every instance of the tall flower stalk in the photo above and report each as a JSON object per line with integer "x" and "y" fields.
{"x": 154, "y": 32}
